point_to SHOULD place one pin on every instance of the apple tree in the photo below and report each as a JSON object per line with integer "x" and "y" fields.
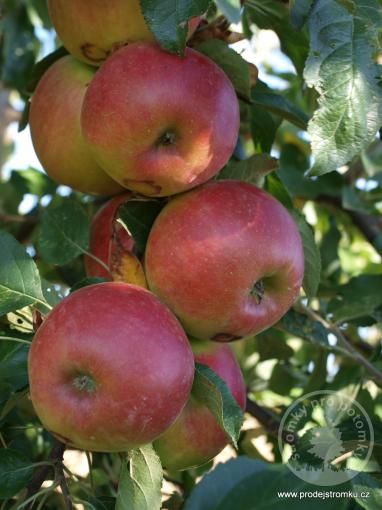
{"x": 191, "y": 280}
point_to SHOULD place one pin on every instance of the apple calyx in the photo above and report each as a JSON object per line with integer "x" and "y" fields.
{"x": 167, "y": 138}
{"x": 258, "y": 291}
{"x": 84, "y": 383}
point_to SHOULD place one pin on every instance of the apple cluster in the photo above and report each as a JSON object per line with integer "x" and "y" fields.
{"x": 111, "y": 367}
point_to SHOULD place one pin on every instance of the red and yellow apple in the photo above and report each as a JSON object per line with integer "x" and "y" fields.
{"x": 92, "y": 30}
{"x": 113, "y": 245}
{"x": 110, "y": 368}
{"x": 158, "y": 123}
{"x": 56, "y": 131}
{"x": 196, "y": 437}
{"x": 226, "y": 258}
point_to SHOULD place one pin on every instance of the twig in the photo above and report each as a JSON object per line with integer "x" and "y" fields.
{"x": 26, "y": 224}
{"x": 60, "y": 478}
{"x": 56, "y": 455}
{"x": 89, "y": 459}
{"x": 343, "y": 341}
{"x": 268, "y": 420}
{"x": 17, "y": 218}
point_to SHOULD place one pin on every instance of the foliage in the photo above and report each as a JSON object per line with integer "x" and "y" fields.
{"x": 313, "y": 145}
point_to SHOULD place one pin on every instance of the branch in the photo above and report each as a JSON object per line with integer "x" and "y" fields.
{"x": 344, "y": 342}
{"x": 56, "y": 455}
{"x": 60, "y": 477}
{"x": 268, "y": 420}
{"x": 369, "y": 226}
{"x": 16, "y": 218}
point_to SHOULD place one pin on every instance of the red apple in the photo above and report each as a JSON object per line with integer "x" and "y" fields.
{"x": 112, "y": 244}
{"x": 92, "y": 30}
{"x": 196, "y": 437}
{"x": 110, "y": 368}
{"x": 158, "y": 123}
{"x": 226, "y": 258}
{"x": 56, "y": 131}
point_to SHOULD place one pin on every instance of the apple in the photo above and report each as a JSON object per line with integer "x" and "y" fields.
{"x": 226, "y": 258}
{"x": 92, "y": 30}
{"x": 113, "y": 245}
{"x": 196, "y": 437}
{"x": 158, "y": 123}
{"x": 110, "y": 368}
{"x": 56, "y": 131}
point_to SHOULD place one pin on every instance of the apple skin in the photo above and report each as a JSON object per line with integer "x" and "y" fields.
{"x": 112, "y": 244}
{"x": 56, "y": 130}
{"x": 110, "y": 368}
{"x": 160, "y": 124}
{"x": 196, "y": 437}
{"x": 207, "y": 250}
{"x": 92, "y": 32}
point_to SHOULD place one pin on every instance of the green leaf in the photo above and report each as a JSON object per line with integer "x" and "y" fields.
{"x": 140, "y": 481}
{"x": 24, "y": 119}
{"x": 33, "y": 181}
{"x": 20, "y": 283}
{"x": 42, "y": 66}
{"x": 276, "y": 188}
{"x": 365, "y": 483}
{"x": 53, "y": 294}
{"x": 351, "y": 436}
{"x": 211, "y": 491}
{"x": 13, "y": 401}
{"x": 271, "y": 15}
{"x": 250, "y": 170}
{"x": 235, "y": 67}
{"x": 251, "y": 484}
{"x": 210, "y": 389}
{"x": 263, "y": 128}
{"x": 65, "y": 231}
{"x": 264, "y": 97}
{"x": 13, "y": 361}
{"x": 137, "y": 216}
{"x": 293, "y": 164}
{"x": 15, "y": 472}
{"x": 329, "y": 250}
{"x": 168, "y": 20}
{"x": 297, "y": 324}
{"x": 352, "y": 200}
{"x": 271, "y": 345}
{"x": 299, "y": 12}
{"x": 348, "y": 4}
{"x": 10, "y": 199}
{"x": 231, "y": 9}
{"x": 283, "y": 379}
{"x": 87, "y": 281}
{"x": 361, "y": 296}
{"x": 42, "y": 10}
{"x": 341, "y": 67}
{"x": 312, "y": 256}
{"x": 18, "y": 48}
